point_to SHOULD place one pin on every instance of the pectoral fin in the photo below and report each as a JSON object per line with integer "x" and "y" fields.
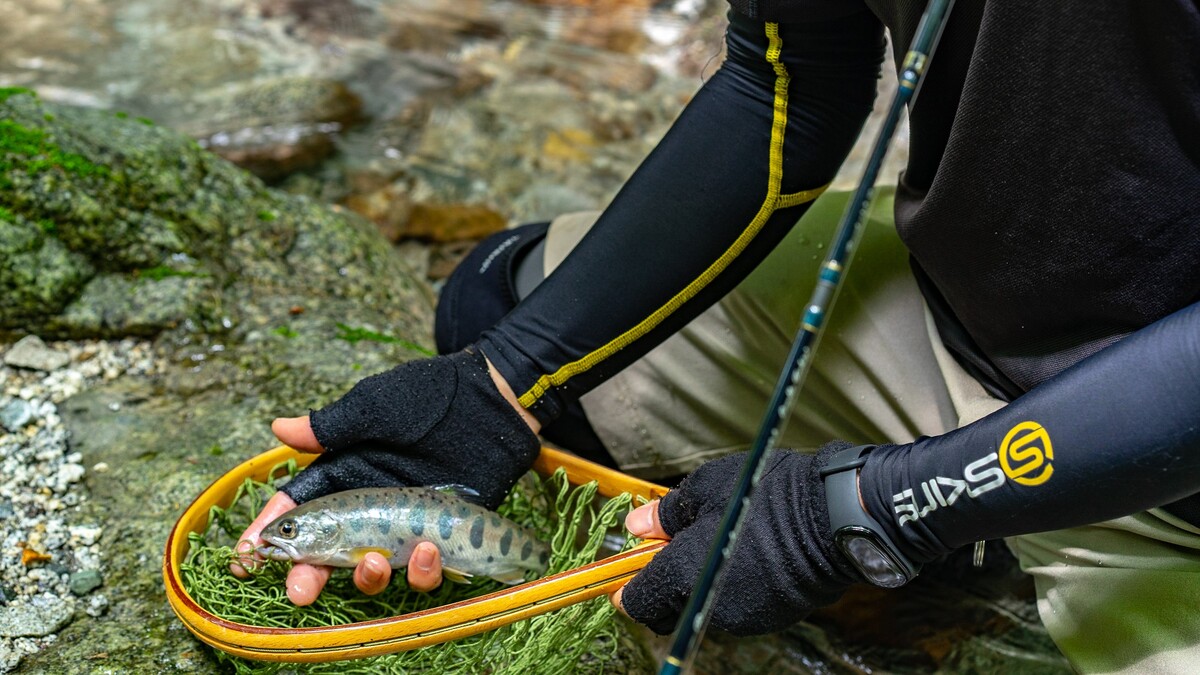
{"x": 457, "y": 576}
{"x": 511, "y": 577}
{"x": 357, "y": 554}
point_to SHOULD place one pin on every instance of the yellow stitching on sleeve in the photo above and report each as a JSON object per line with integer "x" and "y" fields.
{"x": 770, "y": 203}
{"x": 801, "y": 197}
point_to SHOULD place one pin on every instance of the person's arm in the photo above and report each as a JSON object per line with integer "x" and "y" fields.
{"x": 720, "y": 190}
{"x": 732, "y": 176}
{"x": 1115, "y": 434}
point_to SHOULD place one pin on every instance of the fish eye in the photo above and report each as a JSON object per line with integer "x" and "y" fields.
{"x": 288, "y": 529}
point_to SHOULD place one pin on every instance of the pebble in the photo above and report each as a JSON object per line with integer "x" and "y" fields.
{"x": 44, "y": 615}
{"x": 41, "y": 487}
{"x": 15, "y": 414}
{"x": 86, "y": 534}
{"x": 30, "y": 352}
{"x": 85, "y": 581}
{"x": 96, "y": 605}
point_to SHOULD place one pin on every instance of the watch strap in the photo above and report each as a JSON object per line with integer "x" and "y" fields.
{"x": 847, "y": 517}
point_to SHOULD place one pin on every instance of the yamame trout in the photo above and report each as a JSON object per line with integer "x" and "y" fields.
{"x": 340, "y": 528}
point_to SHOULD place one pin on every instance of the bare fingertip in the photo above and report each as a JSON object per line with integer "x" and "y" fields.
{"x": 426, "y": 557}
{"x": 299, "y": 595}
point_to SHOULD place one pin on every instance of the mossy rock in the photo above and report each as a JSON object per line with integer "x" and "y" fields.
{"x": 116, "y": 227}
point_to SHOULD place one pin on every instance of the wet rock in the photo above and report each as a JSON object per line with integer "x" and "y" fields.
{"x": 186, "y": 241}
{"x": 418, "y": 29}
{"x": 275, "y": 152}
{"x": 43, "y": 615}
{"x": 271, "y": 127}
{"x": 613, "y": 25}
{"x": 452, "y": 222}
{"x": 127, "y": 305}
{"x": 14, "y": 415}
{"x": 545, "y": 201}
{"x": 444, "y": 259}
{"x": 30, "y": 352}
{"x": 610, "y": 71}
{"x": 320, "y": 19}
{"x": 85, "y": 581}
{"x": 267, "y": 102}
{"x": 389, "y": 207}
{"x": 223, "y": 261}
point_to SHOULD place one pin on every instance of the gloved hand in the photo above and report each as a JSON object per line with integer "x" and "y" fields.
{"x": 785, "y": 563}
{"x": 429, "y": 422}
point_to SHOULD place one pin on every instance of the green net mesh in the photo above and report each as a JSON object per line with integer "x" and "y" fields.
{"x": 585, "y": 637}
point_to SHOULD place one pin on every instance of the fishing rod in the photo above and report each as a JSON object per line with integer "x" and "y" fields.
{"x": 696, "y": 613}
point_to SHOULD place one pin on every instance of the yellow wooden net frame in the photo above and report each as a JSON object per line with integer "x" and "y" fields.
{"x": 406, "y": 631}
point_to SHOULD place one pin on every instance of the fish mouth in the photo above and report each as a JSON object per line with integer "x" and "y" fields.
{"x": 273, "y": 553}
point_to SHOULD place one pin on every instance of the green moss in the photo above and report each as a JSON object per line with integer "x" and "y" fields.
{"x": 162, "y": 272}
{"x": 48, "y": 117}
{"x": 30, "y": 150}
{"x": 285, "y": 331}
{"x": 7, "y": 215}
{"x": 216, "y": 451}
{"x": 6, "y": 92}
{"x": 48, "y": 226}
{"x": 121, "y": 115}
{"x": 352, "y": 335}
{"x": 267, "y": 215}
{"x": 146, "y": 120}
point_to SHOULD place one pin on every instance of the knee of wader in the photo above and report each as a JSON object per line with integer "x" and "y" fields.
{"x": 482, "y": 289}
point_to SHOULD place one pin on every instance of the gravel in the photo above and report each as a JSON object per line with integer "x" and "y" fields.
{"x": 45, "y": 551}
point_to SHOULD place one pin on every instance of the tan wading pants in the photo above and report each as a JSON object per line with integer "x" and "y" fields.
{"x": 1119, "y": 596}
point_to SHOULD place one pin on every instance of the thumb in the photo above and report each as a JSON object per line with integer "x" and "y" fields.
{"x": 296, "y": 432}
{"x": 656, "y": 596}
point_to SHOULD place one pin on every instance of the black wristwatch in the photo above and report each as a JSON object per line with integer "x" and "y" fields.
{"x": 855, "y": 532}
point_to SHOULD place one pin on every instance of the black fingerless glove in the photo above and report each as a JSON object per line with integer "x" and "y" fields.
{"x": 429, "y": 422}
{"x": 785, "y": 563}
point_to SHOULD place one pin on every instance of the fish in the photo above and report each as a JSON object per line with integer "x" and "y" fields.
{"x": 339, "y": 529}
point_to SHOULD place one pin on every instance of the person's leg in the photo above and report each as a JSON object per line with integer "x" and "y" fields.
{"x": 702, "y": 393}
{"x": 1119, "y": 596}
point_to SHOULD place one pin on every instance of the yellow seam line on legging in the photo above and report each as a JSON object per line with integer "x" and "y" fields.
{"x": 778, "y": 126}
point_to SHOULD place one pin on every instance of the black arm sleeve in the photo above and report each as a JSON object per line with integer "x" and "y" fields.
{"x": 734, "y": 173}
{"x": 1115, "y": 434}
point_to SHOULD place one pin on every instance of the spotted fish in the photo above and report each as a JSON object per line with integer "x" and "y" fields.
{"x": 340, "y": 528}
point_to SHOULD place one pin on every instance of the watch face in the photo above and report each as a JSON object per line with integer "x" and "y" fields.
{"x": 871, "y": 559}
